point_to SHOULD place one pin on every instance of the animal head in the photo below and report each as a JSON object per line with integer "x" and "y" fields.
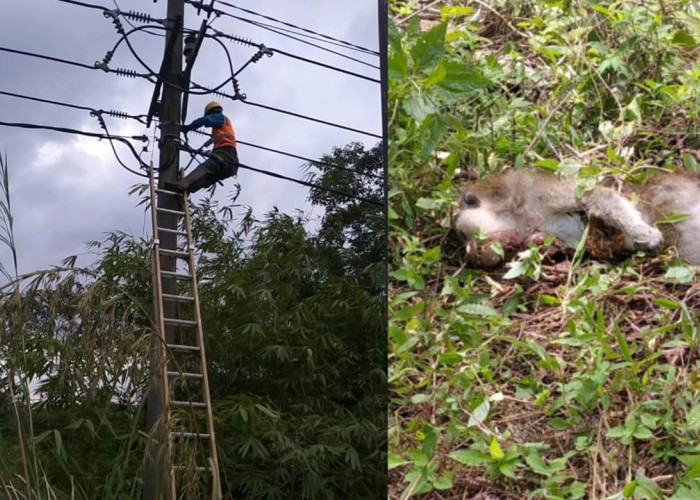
{"x": 486, "y": 215}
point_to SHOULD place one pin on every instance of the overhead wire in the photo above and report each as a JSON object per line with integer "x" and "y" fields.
{"x": 186, "y": 147}
{"x": 218, "y": 33}
{"x": 207, "y": 90}
{"x": 207, "y": 8}
{"x": 124, "y": 139}
{"x": 292, "y": 155}
{"x": 351, "y": 45}
{"x": 120, "y": 71}
{"x": 275, "y": 30}
{"x": 116, "y": 114}
{"x": 131, "y": 73}
{"x": 317, "y": 120}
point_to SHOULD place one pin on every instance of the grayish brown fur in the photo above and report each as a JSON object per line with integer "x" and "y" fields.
{"x": 520, "y": 204}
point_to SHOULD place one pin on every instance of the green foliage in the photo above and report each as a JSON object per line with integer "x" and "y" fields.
{"x": 294, "y": 328}
{"x": 545, "y": 379}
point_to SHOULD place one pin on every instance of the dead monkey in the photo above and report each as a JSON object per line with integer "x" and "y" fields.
{"x": 520, "y": 205}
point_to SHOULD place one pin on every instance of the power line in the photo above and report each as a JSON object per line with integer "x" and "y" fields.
{"x": 262, "y": 25}
{"x": 292, "y": 155}
{"x": 193, "y": 151}
{"x": 298, "y": 115}
{"x": 218, "y": 33}
{"x": 120, "y": 71}
{"x": 283, "y": 111}
{"x": 311, "y": 185}
{"x": 312, "y": 161}
{"x": 116, "y": 114}
{"x": 357, "y": 47}
{"x": 124, "y": 139}
{"x": 143, "y": 138}
{"x": 274, "y": 30}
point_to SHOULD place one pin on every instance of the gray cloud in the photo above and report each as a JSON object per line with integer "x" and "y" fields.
{"x": 67, "y": 191}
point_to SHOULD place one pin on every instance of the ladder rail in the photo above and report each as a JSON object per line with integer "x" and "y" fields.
{"x": 202, "y": 354}
{"x": 166, "y": 356}
{"x": 160, "y": 320}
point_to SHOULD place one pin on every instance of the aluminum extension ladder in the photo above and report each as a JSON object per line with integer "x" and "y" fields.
{"x": 189, "y": 451}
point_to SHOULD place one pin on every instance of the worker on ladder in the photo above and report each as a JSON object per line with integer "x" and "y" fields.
{"x": 223, "y": 160}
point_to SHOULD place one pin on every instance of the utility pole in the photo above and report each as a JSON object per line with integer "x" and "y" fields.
{"x": 154, "y": 485}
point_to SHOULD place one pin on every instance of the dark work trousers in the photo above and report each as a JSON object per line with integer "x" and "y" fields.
{"x": 222, "y": 163}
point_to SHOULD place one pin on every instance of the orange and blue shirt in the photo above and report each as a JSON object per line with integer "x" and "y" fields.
{"x": 222, "y": 133}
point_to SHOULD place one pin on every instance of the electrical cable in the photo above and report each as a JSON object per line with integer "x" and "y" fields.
{"x": 314, "y": 162}
{"x": 328, "y": 66}
{"x": 300, "y": 58}
{"x": 278, "y": 110}
{"x": 311, "y": 185}
{"x": 120, "y": 71}
{"x": 291, "y": 155}
{"x": 357, "y": 47}
{"x": 291, "y": 113}
{"x": 121, "y": 138}
{"x": 103, "y": 125}
{"x": 116, "y": 114}
{"x": 83, "y": 4}
{"x": 340, "y": 54}
{"x": 262, "y": 25}
{"x": 189, "y": 149}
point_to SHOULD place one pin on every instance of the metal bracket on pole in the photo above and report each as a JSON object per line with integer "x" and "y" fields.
{"x": 164, "y": 69}
{"x": 188, "y": 69}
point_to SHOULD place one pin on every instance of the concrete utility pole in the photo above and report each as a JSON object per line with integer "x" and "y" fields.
{"x": 154, "y": 488}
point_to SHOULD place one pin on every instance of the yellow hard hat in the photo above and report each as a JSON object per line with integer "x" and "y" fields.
{"x": 211, "y": 106}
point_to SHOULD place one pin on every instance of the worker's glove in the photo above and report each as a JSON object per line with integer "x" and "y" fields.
{"x": 185, "y": 128}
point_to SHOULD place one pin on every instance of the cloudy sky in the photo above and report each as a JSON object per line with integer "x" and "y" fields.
{"x": 68, "y": 190}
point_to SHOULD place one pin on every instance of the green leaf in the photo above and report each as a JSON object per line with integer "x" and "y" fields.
{"x": 495, "y": 449}
{"x": 692, "y": 418}
{"x": 537, "y": 464}
{"x": 480, "y": 413}
{"x": 444, "y": 482}
{"x": 642, "y": 432}
{"x": 470, "y": 457}
{"x": 507, "y": 469}
{"x": 419, "y": 106}
{"x": 628, "y": 490}
{"x": 647, "y": 488}
{"x": 429, "y": 48}
{"x": 549, "y": 164}
{"x": 450, "y": 358}
{"x": 461, "y": 79}
{"x": 667, "y": 303}
{"x": 432, "y": 130}
{"x": 617, "y": 432}
{"x": 428, "y": 203}
{"x": 680, "y": 273}
{"x": 396, "y": 460}
{"x": 684, "y": 39}
{"x": 477, "y": 310}
{"x": 517, "y": 268}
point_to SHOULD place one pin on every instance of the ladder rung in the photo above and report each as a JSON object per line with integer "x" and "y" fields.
{"x": 175, "y": 274}
{"x": 178, "y": 298}
{"x": 174, "y": 253}
{"x": 181, "y": 322}
{"x": 182, "y": 347}
{"x": 199, "y": 468}
{"x": 170, "y": 211}
{"x": 172, "y": 231}
{"x": 190, "y": 435}
{"x": 167, "y": 191}
{"x": 190, "y": 404}
{"x": 185, "y": 374}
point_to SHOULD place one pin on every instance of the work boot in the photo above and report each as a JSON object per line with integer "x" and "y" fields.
{"x": 176, "y": 186}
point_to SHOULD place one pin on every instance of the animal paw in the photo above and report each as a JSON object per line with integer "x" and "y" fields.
{"x": 650, "y": 240}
